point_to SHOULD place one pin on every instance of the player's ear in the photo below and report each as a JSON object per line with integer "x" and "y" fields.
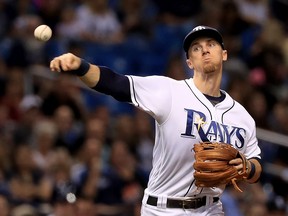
{"x": 189, "y": 63}
{"x": 224, "y": 55}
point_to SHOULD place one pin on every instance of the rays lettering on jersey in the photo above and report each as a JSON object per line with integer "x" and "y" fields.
{"x": 212, "y": 131}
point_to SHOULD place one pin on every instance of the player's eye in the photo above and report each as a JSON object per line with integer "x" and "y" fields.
{"x": 212, "y": 44}
{"x": 196, "y": 48}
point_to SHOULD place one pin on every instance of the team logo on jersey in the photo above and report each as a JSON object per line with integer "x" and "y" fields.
{"x": 196, "y": 125}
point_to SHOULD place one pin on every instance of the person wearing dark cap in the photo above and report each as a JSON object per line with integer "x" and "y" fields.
{"x": 186, "y": 112}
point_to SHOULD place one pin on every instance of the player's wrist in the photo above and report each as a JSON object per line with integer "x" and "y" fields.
{"x": 248, "y": 167}
{"x": 82, "y": 69}
{"x": 252, "y": 170}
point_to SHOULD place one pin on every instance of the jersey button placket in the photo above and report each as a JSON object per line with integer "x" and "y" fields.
{"x": 215, "y": 116}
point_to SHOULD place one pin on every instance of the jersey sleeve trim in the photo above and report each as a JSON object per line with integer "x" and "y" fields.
{"x": 132, "y": 91}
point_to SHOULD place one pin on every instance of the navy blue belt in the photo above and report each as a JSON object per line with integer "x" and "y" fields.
{"x": 192, "y": 203}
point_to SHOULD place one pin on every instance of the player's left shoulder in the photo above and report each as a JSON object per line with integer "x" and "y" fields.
{"x": 237, "y": 107}
{"x": 232, "y": 102}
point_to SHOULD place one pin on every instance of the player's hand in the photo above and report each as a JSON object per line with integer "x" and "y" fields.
{"x": 65, "y": 62}
{"x": 237, "y": 163}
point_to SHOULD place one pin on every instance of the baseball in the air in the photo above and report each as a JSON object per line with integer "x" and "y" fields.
{"x": 43, "y": 33}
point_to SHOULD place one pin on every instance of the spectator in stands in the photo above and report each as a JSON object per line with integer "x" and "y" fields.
{"x": 233, "y": 26}
{"x": 176, "y": 13}
{"x": 30, "y": 114}
{"x": 125, "y": 181}
{"x": 68, "y": 130}
{"x": 175, "y": 67}
{"x": 100, "y": 22}
{"x": 279, "y": 118}
{"x": 88, "y": 166}
{"x": 136, "y": 17}
{"x": 253, "y": 11}
{"x": 94, "y": 129}
{"x": 5, "y": 172}
{"x": 257, "y": 106}
{"x": 63, "y": 92}
{"x": 60, "y": 174}
{"x": 50, "y": 11}
{"x": 4, "y": 206}
{"x": 5, "y": 18}
{"x": 28, "y": 184}
{"x": 125, "y": 130}
{"x": 145, "y": 133}
{"x": 238, "y": 88}
{"x": 24, "y": 209}
{"x": 44, "y": 138}
{"x": 69, "y": 26}
{"x": 13, "y": 93}
{"x": 85, "y": 207}
{"x": 7, "y": 126}
{"x": 24, "y": 49}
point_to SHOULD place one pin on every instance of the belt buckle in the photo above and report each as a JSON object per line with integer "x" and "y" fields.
{"x": 191, "y": 203}
{"x": 184, "y": 206}
{"x": 188, "y": 203}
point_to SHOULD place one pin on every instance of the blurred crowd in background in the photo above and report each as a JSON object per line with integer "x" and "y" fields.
{"x": 68, "y": 150}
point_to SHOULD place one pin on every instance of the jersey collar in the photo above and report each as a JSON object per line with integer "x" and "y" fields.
{"x": 226, "y": 103}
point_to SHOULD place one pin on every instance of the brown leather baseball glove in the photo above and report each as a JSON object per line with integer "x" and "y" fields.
{"x": 212, "y": 166}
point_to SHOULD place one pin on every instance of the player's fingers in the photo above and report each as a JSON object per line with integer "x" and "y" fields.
{"x": 70, "y": 62}
{"x": 65, "y": 62}
{"x": 235, "y": 161}
{"x": 55, "y": 65}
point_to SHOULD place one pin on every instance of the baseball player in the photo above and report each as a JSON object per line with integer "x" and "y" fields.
{"x": 185, "y": 112}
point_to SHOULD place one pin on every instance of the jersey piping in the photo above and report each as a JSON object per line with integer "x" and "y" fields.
{"x": 198, "y": 99}
{"x": 222, "y": 117}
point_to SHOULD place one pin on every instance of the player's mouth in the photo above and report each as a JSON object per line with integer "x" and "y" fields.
{"x": 206, "y": 59}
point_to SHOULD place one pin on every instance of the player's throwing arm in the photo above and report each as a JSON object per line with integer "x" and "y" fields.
{"x": 71, "y": 63}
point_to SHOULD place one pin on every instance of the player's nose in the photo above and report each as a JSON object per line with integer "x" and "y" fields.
{"x": 205, "y": 50}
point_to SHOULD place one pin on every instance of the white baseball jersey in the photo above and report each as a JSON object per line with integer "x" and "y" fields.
{"x": 183, "y": 117}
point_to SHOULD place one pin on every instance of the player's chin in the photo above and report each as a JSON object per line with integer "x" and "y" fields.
{"x": 209, "y": 68}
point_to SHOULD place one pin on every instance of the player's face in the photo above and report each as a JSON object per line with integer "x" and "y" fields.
{"x": 206, "y": 55}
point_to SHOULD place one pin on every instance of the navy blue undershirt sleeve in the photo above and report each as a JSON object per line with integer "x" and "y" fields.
{"x": 114, "y": 84}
